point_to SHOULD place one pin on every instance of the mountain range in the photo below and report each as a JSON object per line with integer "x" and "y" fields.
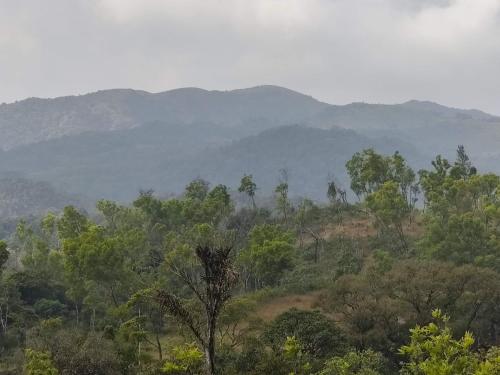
{"x": 110, "y": 144}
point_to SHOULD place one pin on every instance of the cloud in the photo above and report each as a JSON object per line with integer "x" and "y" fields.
{"x": 337, "y": 50}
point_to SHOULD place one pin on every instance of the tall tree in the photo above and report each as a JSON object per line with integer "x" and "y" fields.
{"x": 248, "y": 187}
{"x": 211, "y": 281}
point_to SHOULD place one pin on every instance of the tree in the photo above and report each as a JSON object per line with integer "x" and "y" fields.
{"x": 308, "y": 220}
{"x": 369, "y": 171}
{"x": 295, "y": 357}
{"x": 39, "y": 363}
{"x": 248, "y": 187}
{"x": 462, "y": 168}
{"x": 433, "y": 350}
{"x": 318, "y": 335}
{"x": 4, "y": 254}
{"x": 217, "y": 205}
{"x": 185, "y": 359}
{"x": 335, "y": 193}
{"x": 72, "y": 223}
{"x": 389, "y": 187}
{"x": 269, "y": 254}
{"x": 211, "y": 283}
{"x": 149, "y": 318}
{"x": 378, "y": 306}
{"x": 197, "y": 189}
{"x": 390, "y": 209}
{"x": 282, "y": 201}
{"x": 463, "y": 215}
{"x": 366, "y": 362}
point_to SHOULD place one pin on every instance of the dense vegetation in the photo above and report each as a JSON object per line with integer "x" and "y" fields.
{"x": 405, "y": 281}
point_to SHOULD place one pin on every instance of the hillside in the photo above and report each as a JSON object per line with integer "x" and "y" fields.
{"x": 431, "y": 127}
{"x": 34, "y": 120}
{"x": 310, "y": 155}
{"x": 20, "y": 197}
{"x": 112, "y": 143}
{"x": 166, "y": 157}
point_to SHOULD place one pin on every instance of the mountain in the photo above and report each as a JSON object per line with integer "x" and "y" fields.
{"x": 431, "y": 127}
{"x": 34, "y": 120}
{"x": 116, "y": 165}
{"x": 20, "y": 197}
{"x": 112, "y": 143}
{"x": 310, "y": 155}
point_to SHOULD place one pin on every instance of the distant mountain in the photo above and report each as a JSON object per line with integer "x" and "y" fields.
{"x": 34, "y": 120}
{"x": 20, "y": 197}
{"x": 117, "y": 165}
{"x": 431, "y": 127}
{"x": 311, "y": 156}
{"x": 112, "y": 143}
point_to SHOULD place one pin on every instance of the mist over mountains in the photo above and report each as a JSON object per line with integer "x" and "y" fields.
{"x": 110, "y": 144}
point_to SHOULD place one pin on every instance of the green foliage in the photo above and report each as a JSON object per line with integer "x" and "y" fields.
{"x": 4, "y": 254}
{"x": 269, "y": 254}
{"x": 387, "y": 204}
{"x": 197, "y": 189}
{"x": 294, "y": 356}
{"x": 39, "y": 363}
{"x": 389, "y": 187}
{"x": 463, "y": 215}
{"x": 433, "y": 350}
{"x": 282, "y": 201}
{"x": 366, "y": 362}
{"x": 186, "y": 359}
{"x": 123, "y": 291}
{"x": 72, "y": 223}
{"x": 369, "y": 171}
{"x": 248, "y": 187}
{"x": 317, "y": 334}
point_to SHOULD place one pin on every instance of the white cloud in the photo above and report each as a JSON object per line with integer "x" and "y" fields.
{"x": 461, "y": 19}
{"x": 337, "y": 50}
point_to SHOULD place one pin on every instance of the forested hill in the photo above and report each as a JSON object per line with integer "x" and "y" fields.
{"x": 20, "y": 197}
{"x": 111, "y": 144}
{"x": 166, "y": 158}
{"x": 33, "y": 120}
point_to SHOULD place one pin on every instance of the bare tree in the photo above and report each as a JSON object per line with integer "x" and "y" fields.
{"x": 211, "y": 285}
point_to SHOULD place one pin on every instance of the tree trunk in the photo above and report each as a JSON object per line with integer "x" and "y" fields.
{"x": 210, "y": 346}
{"x": 158, "y": 345}
{"x": 77, "y": 315}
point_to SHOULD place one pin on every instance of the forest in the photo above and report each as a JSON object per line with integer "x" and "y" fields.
{"x": 404, "y": 279}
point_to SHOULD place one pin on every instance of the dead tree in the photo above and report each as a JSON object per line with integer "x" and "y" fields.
{"x": 211, "y": 284}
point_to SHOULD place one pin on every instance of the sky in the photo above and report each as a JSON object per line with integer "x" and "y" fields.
{"x": 339, "y": 51}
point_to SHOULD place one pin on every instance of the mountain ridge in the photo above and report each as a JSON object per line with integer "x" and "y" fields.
{"x": 111, "y": 143}
{"x": 39, "y": 119}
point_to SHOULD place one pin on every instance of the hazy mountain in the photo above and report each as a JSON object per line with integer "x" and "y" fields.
{"x": 431, "y": 127}
{"x": 113, "y": 164}
{"x": 164, "y": 157}
{"x": 20, "y": 197}
{"x": 311, "y": 156}
{"x": 112, "y": 143}
{"x": 33, "y": 120}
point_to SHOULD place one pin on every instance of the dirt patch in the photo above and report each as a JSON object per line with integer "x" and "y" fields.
{"x": 352, "y": 228}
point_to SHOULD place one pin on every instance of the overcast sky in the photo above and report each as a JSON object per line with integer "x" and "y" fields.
{"x": 339, "y": 51}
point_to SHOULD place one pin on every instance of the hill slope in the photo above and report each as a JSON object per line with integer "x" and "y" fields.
{"x": 112, "y": 143}
{"x": 431, "y": 127}
{"x": 165, "y": 157}
{"x": 20, "y": 197}
{"x": 34, "y": 120}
